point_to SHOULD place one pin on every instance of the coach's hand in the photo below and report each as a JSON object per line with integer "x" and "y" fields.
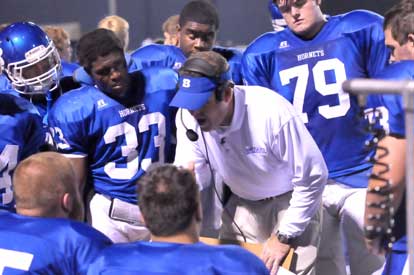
{"x": 273, "y": 254}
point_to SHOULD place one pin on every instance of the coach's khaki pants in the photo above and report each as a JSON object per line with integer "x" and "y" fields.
{"x": 259, "y": 219}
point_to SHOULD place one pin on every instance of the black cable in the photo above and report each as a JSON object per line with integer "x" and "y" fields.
{"x": 215, "y": 190}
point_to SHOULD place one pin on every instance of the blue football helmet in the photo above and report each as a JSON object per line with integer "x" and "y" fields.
{"x": 278, "y": 23}
{"x": 29, "y": 58}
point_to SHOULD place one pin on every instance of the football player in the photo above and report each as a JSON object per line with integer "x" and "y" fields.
{"x": 197, "y": 30}
{"x": 399, "y": 37}
{"x": 307, "y": 63}
{"x": 170, "y": 203}
{"x": 115, "y": 131}
{"x": 32, "y": 64}
{"x": 40, "y": 238}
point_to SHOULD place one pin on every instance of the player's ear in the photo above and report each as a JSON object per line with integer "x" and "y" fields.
{"x": 411, "y": 41}
{"x": 67, "y": 203}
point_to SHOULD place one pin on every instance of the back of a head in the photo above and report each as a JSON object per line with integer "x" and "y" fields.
{"x": 3, "y": 26}
{"x": 170, "y": 30}
{"x": 400, "y": 18}
{"x": 201, "y": 12}
{"x": 61, "y": 40}
{"x": 97, "y": 43}
{"x": 30, "y": 58}
{"x": 168, "y": 199}
{"x": 170, "y": 25}
{"x": 40, "y": 181}
{"x": 119, "y": 26}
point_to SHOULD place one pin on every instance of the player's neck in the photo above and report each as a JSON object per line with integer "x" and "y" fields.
{"x": 184, "y": 238}
{"x": 316, "y": 28}
{"x": 37, "y": 212}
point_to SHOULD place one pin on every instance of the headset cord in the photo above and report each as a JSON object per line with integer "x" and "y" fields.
{"x": 383, "y": 229}
{"x": 213, "y": 181}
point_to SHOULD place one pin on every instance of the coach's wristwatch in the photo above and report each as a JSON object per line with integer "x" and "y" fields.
{"x": 285, "y": 239}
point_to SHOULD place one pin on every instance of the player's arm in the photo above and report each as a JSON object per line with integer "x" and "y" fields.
{"x": 253, "y": 70}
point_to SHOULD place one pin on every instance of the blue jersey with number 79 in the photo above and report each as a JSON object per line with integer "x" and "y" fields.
{"x": 309, "y": 73}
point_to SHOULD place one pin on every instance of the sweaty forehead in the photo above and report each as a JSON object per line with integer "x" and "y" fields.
{"x": 198, "y": 27}
{"x": 281, "y": 3}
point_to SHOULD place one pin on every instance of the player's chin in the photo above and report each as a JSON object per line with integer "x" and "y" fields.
{"x": 118, "y": 91}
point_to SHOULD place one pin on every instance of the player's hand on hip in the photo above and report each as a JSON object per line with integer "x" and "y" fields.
{"x": 273, "y": 254}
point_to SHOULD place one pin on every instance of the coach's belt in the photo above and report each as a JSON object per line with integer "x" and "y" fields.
{"x": 269, "y": 198}
{"x": 124, "y": 211}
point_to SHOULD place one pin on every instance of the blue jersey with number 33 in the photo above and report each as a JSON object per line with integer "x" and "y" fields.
{"x": 119, "y": 141}
{"x": 309, "y": 73}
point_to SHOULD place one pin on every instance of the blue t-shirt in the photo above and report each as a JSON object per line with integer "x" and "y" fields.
{"x": 173, "y": 258}
{"x": 47, "y": 245}
{"x": 21, "y": 136}
{"x": 309, "y": 73}
{"x": 120, "y": 140}
{"x": 173, "y": 57}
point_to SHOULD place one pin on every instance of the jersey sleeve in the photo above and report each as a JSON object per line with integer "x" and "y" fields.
{"x": 366, "y": 29}
{"x": 35, "y": 136}
{"x": 69, "y": 124}
{"x": 234, "y": 58}
{"x": 152, "y": 55}
{"x": 255, "y": 62}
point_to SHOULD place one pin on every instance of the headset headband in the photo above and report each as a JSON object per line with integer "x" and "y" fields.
{"x": 199, "y": 65}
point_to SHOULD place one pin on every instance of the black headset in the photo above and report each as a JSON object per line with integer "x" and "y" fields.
{"x": 202, "y": 67}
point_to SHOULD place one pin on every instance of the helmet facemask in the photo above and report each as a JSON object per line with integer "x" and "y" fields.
{"x": 38, "y": 73}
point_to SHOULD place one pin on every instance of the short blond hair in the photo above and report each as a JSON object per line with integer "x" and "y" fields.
{"x": 170, "y": 25}
{"x": 170, "y": 30}
{"x": 119, "y": 26}
{"x": 61, "y": 40}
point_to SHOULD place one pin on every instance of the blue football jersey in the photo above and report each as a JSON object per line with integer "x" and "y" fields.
{"x": 4, "y": 82}
{"x": 47, "y": 245}
{"x": 403, "y": 70}
{"x": 309, "y": 73}
{"x": 173, "y": 57}
{"x": 158, "y": 55}
{"x": 397, "y": 258}
{"x": 174, "y": 258}
{"x": 68, "y": 68}
{"x": 119, "y": 140}
{"x": 21, "y": 136}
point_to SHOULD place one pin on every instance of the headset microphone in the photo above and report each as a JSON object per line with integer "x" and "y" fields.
{"x": 191, "y": 134}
